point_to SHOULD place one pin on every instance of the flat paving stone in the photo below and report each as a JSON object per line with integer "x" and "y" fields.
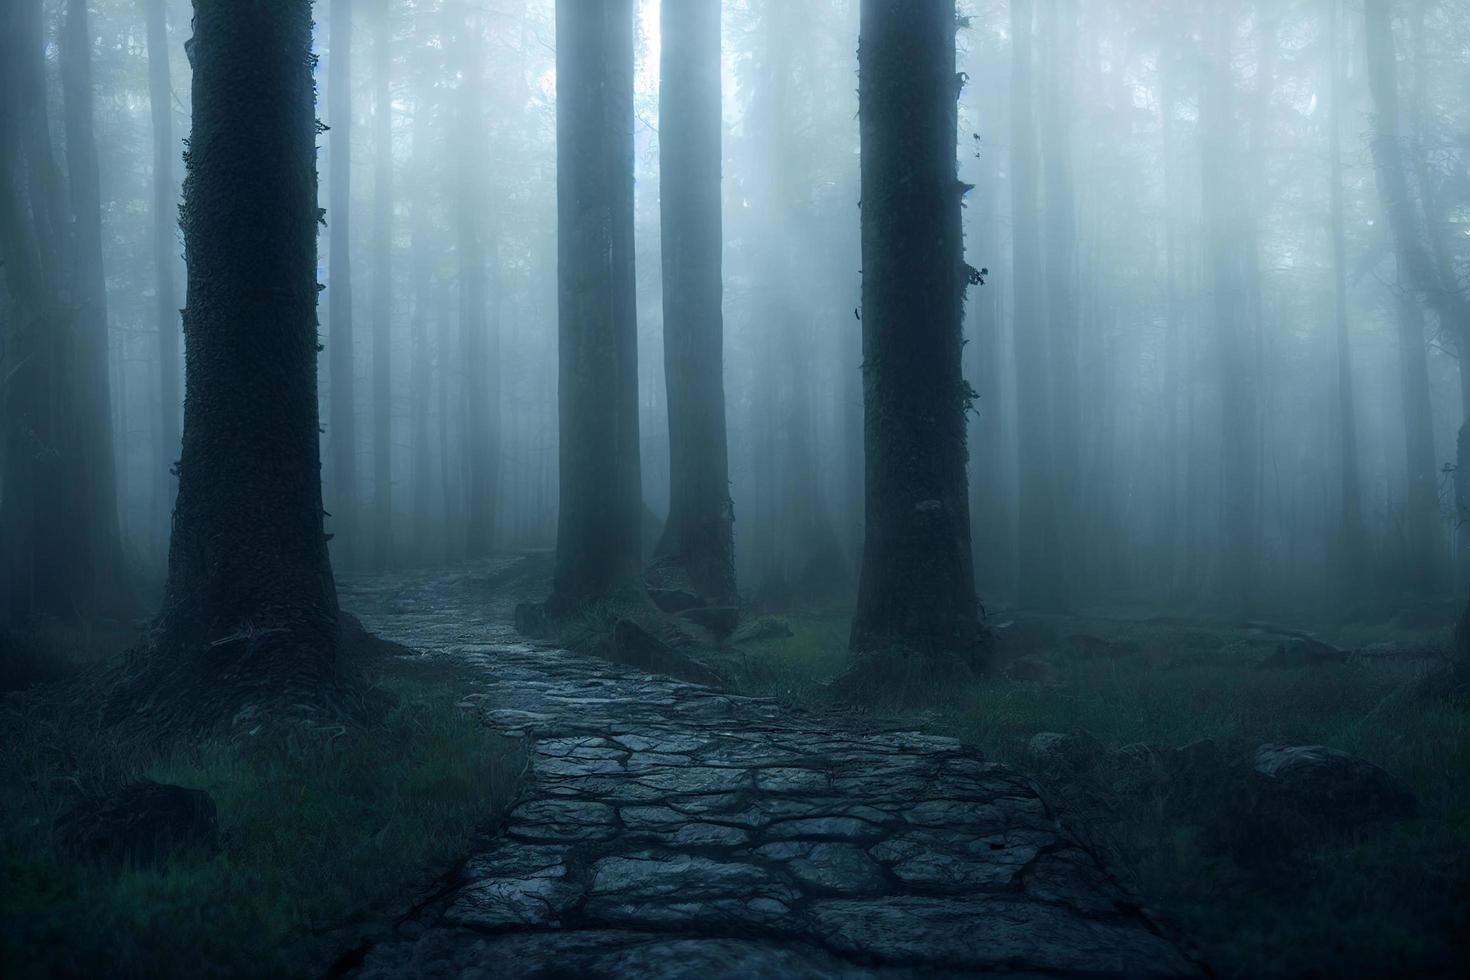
{"x": 666, "y": 829}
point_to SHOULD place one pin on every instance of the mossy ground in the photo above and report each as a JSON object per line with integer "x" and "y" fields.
{"x": 321, "y": 831}
{"x": 1385, "y": 901}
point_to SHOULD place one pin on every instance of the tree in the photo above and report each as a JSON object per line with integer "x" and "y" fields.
{"x": 917, "y": 584}
{"x": 1038, "y": 550}
{"x": 1228, "y": 233}
{"x": 478, "y": 394}
{"x": 341, "y": 411}
{"x": 383, "y": 288}
{"x": 1352, "y": 538}
{"x": 165, "y": 237}
{"x": 1060, "y": 262}
{"x": 62, "y": 553}
{"x": 1418, "y": 276}
{"x": 601, "y": 504}
{"x": 697, "y": 545}
{"x": 250, "y": 608}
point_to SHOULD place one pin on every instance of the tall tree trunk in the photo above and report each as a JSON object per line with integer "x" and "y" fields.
{"x": 61, "y": 553}
{"x": 250, "y": 607}
{"x": 478, "y": 389}
{"x": 1038, "y": 553}
{"x": 1174, "y": 521}
{"x": 89, "y": 290}
{"x": 383, "y": 288}
{"x": 1352, "y": 539}
{"x": 341, "y": 415}
{"x": 917, "y": 585}
{"x": 421, "y": 382}
{"x": 601, "y": 509}
{"x": 1416, "y": 273}
{"x": 1060, "y": 262}
{"x": 1230, "y": 297}
{"x": 165, "y": 245}
{"x": 697, "y": 545}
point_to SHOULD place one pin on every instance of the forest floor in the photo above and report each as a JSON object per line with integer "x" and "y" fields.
{"x": 1262, "y": 894}
{"x": 524, "y": 810}
{"x": 312, "y": 834}
{"x": 668, "y": 828}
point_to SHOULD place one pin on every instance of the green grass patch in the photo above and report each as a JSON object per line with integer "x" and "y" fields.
{"x": 1382, "y": 901}
{"x": 321, "y": 832}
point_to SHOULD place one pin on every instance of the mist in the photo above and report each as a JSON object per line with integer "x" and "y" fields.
{"x": 1106, "y": 382}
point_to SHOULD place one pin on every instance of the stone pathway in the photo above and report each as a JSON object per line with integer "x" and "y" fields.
{"x": 671, "y": 830}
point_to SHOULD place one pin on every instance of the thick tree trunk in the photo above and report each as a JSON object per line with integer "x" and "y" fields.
{"x": 341, "y": 414}
{"x": 383, "y": 288}
{"x": 250, "y": 604}
{"x": 917, "y": 586}
{"x": 165, "y": 251}
{"x": 1039, "y": 565}
{"x": 697, "y": 545}
{"x": 601, "y": 504}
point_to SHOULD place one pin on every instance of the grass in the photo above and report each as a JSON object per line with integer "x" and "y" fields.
{"x": 321, "y": 833}
{"x": 1386, "y": 901}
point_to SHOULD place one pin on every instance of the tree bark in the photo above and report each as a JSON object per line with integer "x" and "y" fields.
{"x": 601, "y": 504}
{"x": 250, "y": 603}
{"x": 341, "y": 418}
{"x": 697, "y": 544}
{"x": 917, "y": 584}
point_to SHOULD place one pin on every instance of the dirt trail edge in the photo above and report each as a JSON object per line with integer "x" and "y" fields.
{"x": 671, "y": 830}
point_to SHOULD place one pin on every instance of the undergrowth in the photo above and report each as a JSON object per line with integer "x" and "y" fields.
{"x": 1383, "y": 901}
{"x": 320, "y": 832}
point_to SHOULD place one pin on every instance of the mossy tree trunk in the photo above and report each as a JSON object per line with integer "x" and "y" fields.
{"x": 917, "y": 586}
{"x": 382, "y": 273}
{"x": 697, "y": 544}
{"x": 601, "y": 505}
{"x": 250, "y": 601}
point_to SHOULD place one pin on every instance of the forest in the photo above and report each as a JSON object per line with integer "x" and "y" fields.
{"x": 734, "y": 488}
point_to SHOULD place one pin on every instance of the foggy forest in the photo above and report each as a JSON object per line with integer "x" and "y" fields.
{"x": 734, "y": 488}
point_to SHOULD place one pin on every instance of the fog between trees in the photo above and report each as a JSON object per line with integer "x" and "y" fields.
{"x": 1215, "y": 360}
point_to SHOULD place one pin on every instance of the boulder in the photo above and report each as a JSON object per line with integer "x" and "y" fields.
{"x": 1057, "y": 753}
{"x": 1328, "y": 786}
{"x": 1303, "y": 653}
{"x": 143, "y": 822}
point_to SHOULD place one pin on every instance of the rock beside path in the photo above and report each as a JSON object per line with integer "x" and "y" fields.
{"x": 668, "y": 829}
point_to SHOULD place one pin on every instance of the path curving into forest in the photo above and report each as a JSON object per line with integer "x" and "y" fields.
{"x": 668, "y": 829}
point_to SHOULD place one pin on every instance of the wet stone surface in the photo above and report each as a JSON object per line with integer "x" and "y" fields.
{"x": 667, "y": 829}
